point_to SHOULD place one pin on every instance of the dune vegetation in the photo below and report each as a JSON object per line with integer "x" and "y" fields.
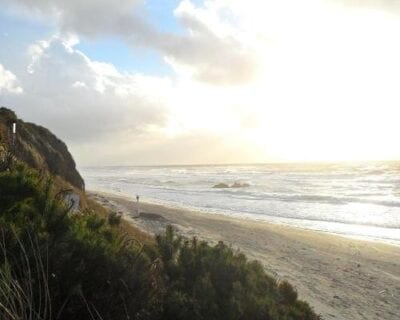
{"x": 59, "y": 265}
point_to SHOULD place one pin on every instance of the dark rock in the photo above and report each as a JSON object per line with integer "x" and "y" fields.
{"x": 151, "y": 216}
{"x": 221, "y": 185}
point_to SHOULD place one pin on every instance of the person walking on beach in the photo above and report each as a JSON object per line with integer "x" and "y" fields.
{"x": 137, "y": 205}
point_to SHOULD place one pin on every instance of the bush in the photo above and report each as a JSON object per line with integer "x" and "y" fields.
{"x": 63, "y": 266}
{"x": 287, "y": 292}
{"x": 114, "y": 219}
{"x": 217, "y": 282}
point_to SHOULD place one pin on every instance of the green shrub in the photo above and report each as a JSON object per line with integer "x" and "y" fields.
{"x": 114, "y": 219}
{"x": 63, "y": 266}
{"x": 287, "y": 292}
{"x": 217, "y": 282}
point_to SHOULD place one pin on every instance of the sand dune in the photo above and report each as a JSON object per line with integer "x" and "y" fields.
{"x": 341, "y": 278}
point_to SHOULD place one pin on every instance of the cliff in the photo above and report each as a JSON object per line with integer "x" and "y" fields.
{"x": 39, "y": 148}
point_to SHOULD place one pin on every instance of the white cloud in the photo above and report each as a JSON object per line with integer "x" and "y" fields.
{"x": 35, "y": 51}
{"x": 8, "y": 82}
{"x": 209, "y": 49}
{"x": 84, "y": 100}
{"x": 388, "y": 5}
{"x": 105, "y": 115}
{"x": 305, "y": 86}
{"x": 213, "y": 50}
{"x": 79, "y": 84}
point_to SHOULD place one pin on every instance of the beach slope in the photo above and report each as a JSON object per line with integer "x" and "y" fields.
{"x": 341, "y": 278}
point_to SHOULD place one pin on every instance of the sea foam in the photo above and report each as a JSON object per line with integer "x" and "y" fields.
{"x": 358, "y": 200}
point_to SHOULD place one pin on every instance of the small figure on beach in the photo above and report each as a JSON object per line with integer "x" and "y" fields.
{"x": 137, "y": 205}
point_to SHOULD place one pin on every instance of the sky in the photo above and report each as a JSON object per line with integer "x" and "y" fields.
{"x": 146, "y": 82}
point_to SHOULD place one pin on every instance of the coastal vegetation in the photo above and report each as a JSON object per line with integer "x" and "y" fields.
{"x": 56, "y": 263}
{"x": 39, "y": 148}
{"x": 59, "y": 265}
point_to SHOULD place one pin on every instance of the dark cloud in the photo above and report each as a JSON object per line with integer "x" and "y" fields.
{"x": 89, "y": 17}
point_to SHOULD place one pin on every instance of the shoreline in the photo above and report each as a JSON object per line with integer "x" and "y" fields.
{"x": 341, "y": 277}
{"x": 273, "y": 220}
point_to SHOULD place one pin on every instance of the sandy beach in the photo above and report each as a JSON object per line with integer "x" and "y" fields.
{"x": 341, "y": 278}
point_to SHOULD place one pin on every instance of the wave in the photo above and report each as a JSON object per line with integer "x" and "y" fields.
{"x": 349, "y": 194}
{"x": 254, "y": 192}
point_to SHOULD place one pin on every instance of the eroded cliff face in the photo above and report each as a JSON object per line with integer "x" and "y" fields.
{"x": 39, "y": 148}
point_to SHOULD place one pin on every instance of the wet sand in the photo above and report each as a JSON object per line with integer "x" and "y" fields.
{"x": 341, "y": 278}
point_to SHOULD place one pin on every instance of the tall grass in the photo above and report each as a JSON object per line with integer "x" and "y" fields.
{"x": 24, "y": 289}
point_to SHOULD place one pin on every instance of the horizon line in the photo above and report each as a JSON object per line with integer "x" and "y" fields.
{"x": 307, "y": 162}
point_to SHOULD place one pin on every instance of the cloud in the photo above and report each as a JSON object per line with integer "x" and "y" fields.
{"x": 107, "y": 116}
{"x": 193, "y": 147}
{"x": 305, "y": 76}
{"x": 90, "y": 17}
{"x": 392, "y": 6}
{"x": 202, "y": 50}
{"x": 8, "y": 82}
{"x": 211, "y": 51}
{"x": 84, "y": 100}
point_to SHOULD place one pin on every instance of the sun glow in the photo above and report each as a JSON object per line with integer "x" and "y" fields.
{"x": 244, "y": 81}
{"x": 324, "y": 90}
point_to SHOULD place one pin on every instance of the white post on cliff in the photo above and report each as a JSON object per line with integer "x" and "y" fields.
{"x": 14, "y": 131}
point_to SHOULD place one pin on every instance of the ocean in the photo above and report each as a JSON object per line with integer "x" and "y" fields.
{"x": 355, "y": 200}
